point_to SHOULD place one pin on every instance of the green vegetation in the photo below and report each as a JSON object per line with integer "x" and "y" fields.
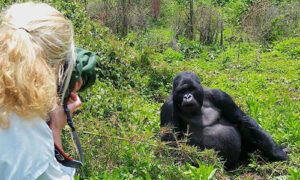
{"x": 119, "y": 119}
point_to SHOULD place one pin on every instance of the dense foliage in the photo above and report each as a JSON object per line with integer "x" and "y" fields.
{"x": 119, "y": 119}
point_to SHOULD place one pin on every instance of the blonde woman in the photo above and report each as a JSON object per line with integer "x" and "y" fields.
{"x": 35, "y": 42}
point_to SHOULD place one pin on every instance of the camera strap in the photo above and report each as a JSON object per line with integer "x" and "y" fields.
{"x": 60, "y": 155}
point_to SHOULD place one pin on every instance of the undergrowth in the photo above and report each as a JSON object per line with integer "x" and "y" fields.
{"x": 118, "y": 122}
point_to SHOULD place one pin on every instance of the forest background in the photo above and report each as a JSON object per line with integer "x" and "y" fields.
{"x": 248, "y": 48}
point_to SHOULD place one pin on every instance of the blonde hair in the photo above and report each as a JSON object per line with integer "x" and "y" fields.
{"x": 35, "y": 42}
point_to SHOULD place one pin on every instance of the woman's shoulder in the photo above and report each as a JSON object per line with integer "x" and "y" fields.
{"x": 27, "y": 132}
{"x": 27, "y": 147}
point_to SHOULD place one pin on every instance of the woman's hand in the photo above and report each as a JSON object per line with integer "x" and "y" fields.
{"x": 74, "y": 101}
{"x": 58, "y": 116}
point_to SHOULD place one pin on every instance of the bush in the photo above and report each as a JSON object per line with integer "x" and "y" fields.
{"x": 290, "y": 47}
{"x": 207, "y": 22}
{"x": 209, "y": 25}
{"x": 121, "y": 16}
{"x": 267, "y": 22}
{"x": 190, "y": 48}
{"x": 170, "y": 55}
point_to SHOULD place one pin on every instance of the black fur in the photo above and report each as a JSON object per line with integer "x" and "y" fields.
{"x": 214, "y": 121}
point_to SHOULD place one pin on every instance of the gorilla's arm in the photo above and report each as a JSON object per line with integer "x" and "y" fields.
{"x": 168, "y": 119}
{"x": 252, "y": 134}
{"x": 166, "y": 114}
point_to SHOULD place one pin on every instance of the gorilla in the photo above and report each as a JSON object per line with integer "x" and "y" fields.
{"x": 214, "y": 121}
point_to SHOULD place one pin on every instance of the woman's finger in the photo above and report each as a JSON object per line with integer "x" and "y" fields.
{"x": 74, "y": 102}
{"x": 73, "y": 96}
{"x": 77, "y": 85}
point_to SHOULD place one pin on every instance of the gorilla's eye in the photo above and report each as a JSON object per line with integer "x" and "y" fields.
{"x": 185, "y": 89}
{"x": 181, "y": 91}
{"x": 191, "y": 88}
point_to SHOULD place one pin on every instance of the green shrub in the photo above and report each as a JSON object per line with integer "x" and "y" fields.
{"x": 170, "y": 55}
{"x": 289, "y": 46}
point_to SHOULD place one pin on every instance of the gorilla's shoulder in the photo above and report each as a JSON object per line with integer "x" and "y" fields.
{"x": 169, "y": 99}
{"x": 216, "y": 95}
{"x": 169, "y": 102}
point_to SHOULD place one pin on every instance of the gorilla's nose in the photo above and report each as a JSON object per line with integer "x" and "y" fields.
{"x": 188, "y": 97}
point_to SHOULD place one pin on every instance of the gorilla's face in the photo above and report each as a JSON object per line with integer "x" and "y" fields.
{"x": 187, "y": 92}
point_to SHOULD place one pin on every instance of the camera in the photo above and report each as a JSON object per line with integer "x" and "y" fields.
{"x": 85, "y": 68}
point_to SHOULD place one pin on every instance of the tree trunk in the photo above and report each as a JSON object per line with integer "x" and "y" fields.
{"x": 222, "y": 29}
{"x": 85, "y": 5}
{"x": 191, "y": 18}
{"x": 155, "y": 8}
{"x": 124, "y": 18}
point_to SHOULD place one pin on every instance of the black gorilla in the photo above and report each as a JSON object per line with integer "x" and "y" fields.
{"x": 214, "y": 121}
